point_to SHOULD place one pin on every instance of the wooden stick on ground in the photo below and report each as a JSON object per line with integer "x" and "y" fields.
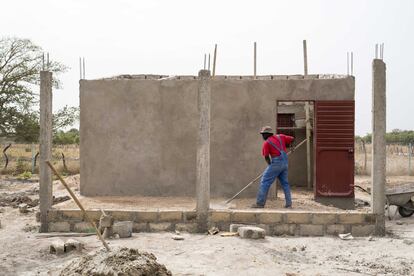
{"x": 79, "y": 205}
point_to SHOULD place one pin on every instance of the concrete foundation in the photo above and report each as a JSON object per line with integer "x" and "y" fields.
{"x": 276, "y": 223}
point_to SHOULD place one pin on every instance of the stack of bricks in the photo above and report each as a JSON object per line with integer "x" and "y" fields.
{"x": 276, "y": 223}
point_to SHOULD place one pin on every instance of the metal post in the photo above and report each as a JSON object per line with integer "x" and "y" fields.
{"x": 214, "y": 60}
{"x": 45, "y": 139}
{"x": 352, "y": 63}
{"x": 33, "y": 158}
{"x": 254, "y": 59}
{"x": 203, "y": 151}
{"x": 205, "y": 57}
{"x": 378, "y": 177}
{"x": 208, "y": 62}
{"x": 84, "y": 68}
{"x": 305, "y": 58}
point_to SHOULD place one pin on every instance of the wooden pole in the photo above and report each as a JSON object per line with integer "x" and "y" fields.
{"x": 254, "y": 60}
{"x": 214, "y": 60}
{"x": 79, "y": 205}
{"x": 305, "y": 58}
{"x": 409, "y": 158}
{"x": 308, "y": 146}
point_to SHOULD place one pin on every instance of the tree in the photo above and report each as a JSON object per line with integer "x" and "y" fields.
{"x": 20, "y": 64}
{"x": 28, "y": 128}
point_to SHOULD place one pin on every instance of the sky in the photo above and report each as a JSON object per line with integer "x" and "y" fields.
{"x": 171, "y": 37}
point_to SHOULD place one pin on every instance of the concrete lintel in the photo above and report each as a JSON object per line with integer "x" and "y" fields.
{"x": 203, "y": 151}
{"x": 378, "y": 177}
{"x": 45, "y": 140}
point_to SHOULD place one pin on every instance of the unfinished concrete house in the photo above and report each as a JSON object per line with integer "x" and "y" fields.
{"x": 164, "y": 152}
{"x": 143, "y": 130}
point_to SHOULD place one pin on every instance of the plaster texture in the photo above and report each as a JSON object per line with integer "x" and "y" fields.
{"x": 139, "y": 136}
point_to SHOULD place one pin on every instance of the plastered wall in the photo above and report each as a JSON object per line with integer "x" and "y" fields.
{"x": 138, "y": 136}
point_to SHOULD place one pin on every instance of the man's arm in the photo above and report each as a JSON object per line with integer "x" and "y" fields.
{"x": 267, "y": 158}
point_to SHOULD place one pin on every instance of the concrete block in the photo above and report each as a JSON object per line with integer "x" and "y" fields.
{"x": 170, "y": 216}
{"x": 140, "y": 227}
{"x": 123, "y": 228}
{"x": 310, "y": 230}
{"x": 62, "y": 226}
{"x": 94, "y": 215}
{"x": 52, "y": 215}
{"x": 243, "y": 217}
{"x": 251, "y": 232}
{"x": 300, "y": 218}
{"x": 189, "y": 216}
{"x": 370, "y": 218}
{"x": 234, "y": 227}
{"x": 186, "y": 227}
{"x": 269, "y": 218}
{"x": 57, "y": 247}
{"x": 157, "y": 227}
{"x": 71, "y": 215}
{"x": 106, "y": 221}
{"x": 72, "y": 244}
{"x": 83, "y": 227}
{"x": 220, "y": 216}
{"x": 146, "y": 216}
{"x": 284, "y": 229}
{"x": 324, "y": 218}
{"x": 362, "y": 230}
{"x": 335, "y": 229}
{"x": 121, "y": 215}
{"x": 351, "y": 218}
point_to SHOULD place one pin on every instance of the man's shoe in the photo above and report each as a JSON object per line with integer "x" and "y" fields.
{"x": 257, "y": 206}
{"x": 288, "y": 206}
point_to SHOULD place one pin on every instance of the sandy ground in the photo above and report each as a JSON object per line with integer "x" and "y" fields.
{"x": 23, "y": 252}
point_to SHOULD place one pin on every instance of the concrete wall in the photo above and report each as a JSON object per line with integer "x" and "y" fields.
{"x": 139, "y": 136}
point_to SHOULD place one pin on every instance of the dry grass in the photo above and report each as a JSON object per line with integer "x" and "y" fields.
{"x": 397, "y": 160}
{"x": 20, "y": 159}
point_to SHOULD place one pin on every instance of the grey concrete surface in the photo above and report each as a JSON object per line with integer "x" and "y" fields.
{"x": 378, "y": 178}
{"x": 203, "y": 151}
{"x": 139, "y": 136}
{"x": 45, "y": 141}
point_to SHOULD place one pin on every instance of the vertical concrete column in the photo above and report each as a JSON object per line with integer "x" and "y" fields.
{"x": 378, "y": 143}
{"x": 203, "y": 150}
{"x": 45, "y": 140}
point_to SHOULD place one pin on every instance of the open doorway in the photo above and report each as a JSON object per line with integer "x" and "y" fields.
{"x": 295, "y": 118}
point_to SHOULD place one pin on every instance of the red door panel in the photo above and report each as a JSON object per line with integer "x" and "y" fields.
{"x": 334, "y": 148}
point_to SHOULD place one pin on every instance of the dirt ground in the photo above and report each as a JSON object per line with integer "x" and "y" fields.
{"x": 25, "y": 252}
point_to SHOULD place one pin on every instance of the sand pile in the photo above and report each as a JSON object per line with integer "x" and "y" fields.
{"x": 120, "y": 261}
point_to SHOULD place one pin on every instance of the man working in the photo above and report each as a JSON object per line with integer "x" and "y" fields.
{"x": 274, "y": 152}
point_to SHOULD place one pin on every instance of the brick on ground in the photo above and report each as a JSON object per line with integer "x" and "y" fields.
{"x": 251, "y": 232}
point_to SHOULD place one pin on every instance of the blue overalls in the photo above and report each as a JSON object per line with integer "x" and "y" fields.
{"x": 277, "y": 168}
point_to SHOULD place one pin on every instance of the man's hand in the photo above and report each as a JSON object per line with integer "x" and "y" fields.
{"x": 267, "y": 158}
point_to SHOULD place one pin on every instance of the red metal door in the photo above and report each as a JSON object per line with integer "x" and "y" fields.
{"x": 334, "y": 148}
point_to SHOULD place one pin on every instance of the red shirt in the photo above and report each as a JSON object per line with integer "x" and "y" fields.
{"x": 268, "y": 149}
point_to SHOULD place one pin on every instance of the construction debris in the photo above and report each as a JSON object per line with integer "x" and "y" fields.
{"x": 177, "y": 237}
{"x": 347, "y": 236}
{"x": 229, "y": 234}
{"x": 213, "y": 231}
{"x": 251, "y": 232}
{"x": 123, "y": 228}
{"x": 59, "y": 247}
{"x": 120, "y": 261}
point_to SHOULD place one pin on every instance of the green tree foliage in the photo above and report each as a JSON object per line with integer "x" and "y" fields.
{"x": 65, "y": 138}
{"x": 396, "y": 136}
{"x": 20, "y": 64}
